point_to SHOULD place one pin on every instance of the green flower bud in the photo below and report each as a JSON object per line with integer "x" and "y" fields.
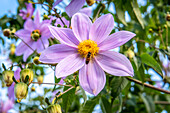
{"x": 26, "y": 72}
{"x": 21, "y": 91}
{"x": 32, "y": 88}
{"x": 130, "y": 53}
{"x": 55, "y": 108}
{"x": 7, "y": 32}
{"x": 45, "y": 17}
{"x": 7, "y": 76}
{"x": 150, "y": 30}
{"x": 40, "y": 79}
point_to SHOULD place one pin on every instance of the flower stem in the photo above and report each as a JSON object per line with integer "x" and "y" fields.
{"x": 65, "y": 91}
{"x": 148, "y": 85}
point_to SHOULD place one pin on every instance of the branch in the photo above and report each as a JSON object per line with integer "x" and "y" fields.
{"x": 51, "y": 84}
{"x": 148, "y": 85}
{"x": 65, "y": 91}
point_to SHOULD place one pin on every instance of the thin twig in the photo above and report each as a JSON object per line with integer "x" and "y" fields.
{"x": 148, "y": 85}
{"x": 162, "y": 102}
{"x": 65, "y": 91}
{"x": 52, "y": 84}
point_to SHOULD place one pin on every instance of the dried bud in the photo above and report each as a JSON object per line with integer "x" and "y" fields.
{"x": 21, "y": 91}
{"x": 36, "y": 60}
{"x": 26, "y": 72}
{"x": 168, "y": 17}
{"x": 7, "y": 32}
{"x": 40, "y": 79}
{"x": 90, "y": 2}
{"x": 55, "y": 108}
{"x": 7, "y": 76}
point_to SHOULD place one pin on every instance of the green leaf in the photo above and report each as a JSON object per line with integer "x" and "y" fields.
{"x": 150, "y": 61}
{"x": 120, "y": 12}
{"x": 118, "y": 84}
{"x": 105, "y": 105}
{"x": 68, "y": 98}
{"x": 149, "y": 104}
{"x": 89, "y": 106}
{"x": 137, "y": 12}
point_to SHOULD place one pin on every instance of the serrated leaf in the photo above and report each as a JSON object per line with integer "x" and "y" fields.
{"x": 89, "y": 106}
{"x": 149, "y": 104}
{"x": 105, "y": 105}
{"x": 137, "y": 12}
{"x": 118, "y": 84}
{"x": 68, "y": 98}
{"x": 150, "y": 61}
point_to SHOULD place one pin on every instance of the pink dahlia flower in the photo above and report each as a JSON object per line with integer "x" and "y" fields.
{"x": 73, "y": 7}
{"x": 87, "y": 48}
{"x": 35, "y": 34}
{"x": 25, "y": 14}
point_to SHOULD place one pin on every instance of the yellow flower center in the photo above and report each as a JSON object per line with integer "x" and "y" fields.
{"x": 87, "y": 46}
{"x": 35, "y": 35}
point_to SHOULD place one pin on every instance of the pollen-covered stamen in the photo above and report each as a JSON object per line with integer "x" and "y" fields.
{"x": 35, "y": 35}
{"x": 87, "y": 46}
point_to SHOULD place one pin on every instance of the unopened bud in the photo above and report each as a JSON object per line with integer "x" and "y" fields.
{"x": 12, "y": 45}
{"x": 40, "y": 79}
{"x": 13, "y": 31}
{"x": 130, "y": 53}
{"x": 55, "y": 108}
{"x": 7, "y": 76}
{"x": 36, "y": 60}
{"x": 150, "y": 30}
{"x": 26, "y": 72}
{"x": 7, "y": 32}
{"x": 21, "y": 91}
{"x": 32, "y": 88}
{"x": 90, "y": 2}
{"x": 165, "y": 26}
{"x": 168, "y": 17}
{"x": 12, "y": 51}
{"x": 45, "y": 17}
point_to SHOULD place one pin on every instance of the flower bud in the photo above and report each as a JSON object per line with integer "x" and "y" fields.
{"x": 7, "y": 32}
{"x": 36, "y": 60}
{"x": 40, "y": 79}
{"x": 130, "y": 53}
{"x": 45, "y": 17}
{"x": 55, "y": 108}
{"x": 168, "y": 17}
{"x": 7, "y": 76}
{"x": 12, "y": 51}
{"x": 90, "y": 2}
{"x": 32, "y": 88}
{"x": 150, "y": 30}
{"x": 13, "y": 31}
{"x": 21, "y": 91}
{"x": 26, "y": 72}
